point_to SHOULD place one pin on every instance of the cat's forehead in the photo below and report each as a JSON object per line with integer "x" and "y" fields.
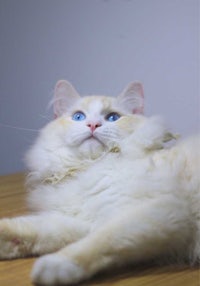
{"x": 96, "y": 103}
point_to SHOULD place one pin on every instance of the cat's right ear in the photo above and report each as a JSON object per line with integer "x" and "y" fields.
{"x": 65, "y": 96}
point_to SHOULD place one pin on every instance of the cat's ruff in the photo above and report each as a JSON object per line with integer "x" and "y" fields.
{"x": 105, "y": 190}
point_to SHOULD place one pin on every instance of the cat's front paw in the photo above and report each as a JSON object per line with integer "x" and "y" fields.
{"x": 56, "y": 269}
{"x": 9, "y": 242}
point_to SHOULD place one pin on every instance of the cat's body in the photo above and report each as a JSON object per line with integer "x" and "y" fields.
{"x": 105, "y": 192}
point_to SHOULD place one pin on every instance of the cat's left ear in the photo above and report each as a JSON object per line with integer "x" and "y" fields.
{"x": 132, "y": 98}
{"x": 65, "y": 96}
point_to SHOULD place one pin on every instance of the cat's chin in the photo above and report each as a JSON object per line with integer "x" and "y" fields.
{"x": 92, "y": 148}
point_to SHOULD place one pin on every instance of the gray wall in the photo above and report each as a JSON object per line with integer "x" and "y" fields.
{"x": 99, "y": 46}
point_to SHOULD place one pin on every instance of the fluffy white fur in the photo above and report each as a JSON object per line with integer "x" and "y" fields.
{"x": 105, "y": 193}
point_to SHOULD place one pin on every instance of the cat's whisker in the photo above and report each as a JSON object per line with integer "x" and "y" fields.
{"x": 18, "y": 128}
{"x": 78, "y": 137}
{"x": 108, "y": 135}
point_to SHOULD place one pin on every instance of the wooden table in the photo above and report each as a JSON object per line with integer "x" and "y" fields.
{"x": 16, "y": 272}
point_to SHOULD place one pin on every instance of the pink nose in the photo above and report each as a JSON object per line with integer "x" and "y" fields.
{"x": 93, "y": 126}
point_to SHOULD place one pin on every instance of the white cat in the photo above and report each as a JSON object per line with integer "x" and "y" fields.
{"x": 104, "y": 191}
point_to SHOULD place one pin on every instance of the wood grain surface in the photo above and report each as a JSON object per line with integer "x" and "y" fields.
{"x": 17, "y": 272}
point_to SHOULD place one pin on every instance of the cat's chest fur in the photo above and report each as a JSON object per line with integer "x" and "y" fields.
{"x": 110, "y": 184}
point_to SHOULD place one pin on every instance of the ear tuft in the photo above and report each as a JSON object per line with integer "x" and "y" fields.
{"x": 65, "y": 96}
{"x": 132, "y": 98}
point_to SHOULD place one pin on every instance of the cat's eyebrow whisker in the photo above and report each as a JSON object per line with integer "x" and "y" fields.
{"x": 18, "y": 128}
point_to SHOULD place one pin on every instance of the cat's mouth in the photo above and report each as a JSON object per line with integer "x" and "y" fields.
{"x": 92, "y": 147}
{"x": 94, "y": 139}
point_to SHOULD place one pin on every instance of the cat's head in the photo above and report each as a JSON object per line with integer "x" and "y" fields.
{"x": 92, "y": 124}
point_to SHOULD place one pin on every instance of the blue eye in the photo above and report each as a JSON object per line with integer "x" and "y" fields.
{"x": 113, "y": 116}
{"x": 78, "y": 116}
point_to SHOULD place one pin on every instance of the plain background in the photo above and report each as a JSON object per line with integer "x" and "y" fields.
{"x": 100, "y": 46}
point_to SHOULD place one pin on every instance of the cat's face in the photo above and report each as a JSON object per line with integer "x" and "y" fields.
{"x": 92, "y": 124}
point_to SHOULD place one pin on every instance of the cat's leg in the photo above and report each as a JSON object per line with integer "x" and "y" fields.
{"x": 37, "y": 234}
{"x": 146, "y": 232}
